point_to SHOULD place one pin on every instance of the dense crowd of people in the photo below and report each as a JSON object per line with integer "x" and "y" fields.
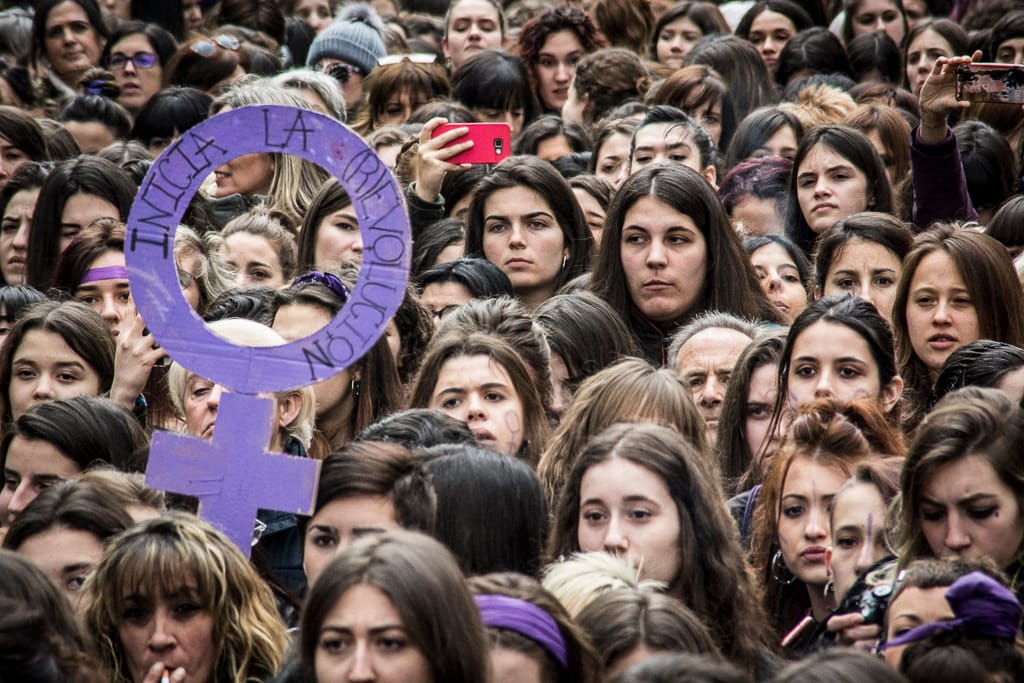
{"x": 717, "y": 376}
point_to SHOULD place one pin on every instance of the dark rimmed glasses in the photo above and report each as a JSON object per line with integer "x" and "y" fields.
{"x": 140, "y": 60}
{"x": 206, "y": 48}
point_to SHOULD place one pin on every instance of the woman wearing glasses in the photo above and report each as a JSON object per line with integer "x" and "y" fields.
{"x": 136, "y": 54}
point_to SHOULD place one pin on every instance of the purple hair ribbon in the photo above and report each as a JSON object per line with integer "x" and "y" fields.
{"x": 107, "y": 273}
{"x": 982, "y": 608}
{"x": 525, "y": 618}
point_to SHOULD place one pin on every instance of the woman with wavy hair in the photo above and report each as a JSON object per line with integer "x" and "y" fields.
{"x": 643, "y": 491}
{"x": 175, "y": 595}
{"x": 791, "y": 530}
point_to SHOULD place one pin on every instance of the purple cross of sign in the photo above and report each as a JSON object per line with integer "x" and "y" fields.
{"x": 233, "y": 475}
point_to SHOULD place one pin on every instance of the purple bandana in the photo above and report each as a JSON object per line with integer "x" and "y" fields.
{"x": 108, "y": 273}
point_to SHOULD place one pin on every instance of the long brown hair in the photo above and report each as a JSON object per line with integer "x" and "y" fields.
{"x": 712, "y": 579}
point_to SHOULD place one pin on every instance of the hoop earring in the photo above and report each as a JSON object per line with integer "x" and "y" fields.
{"x": 830, "y": 595}
{"x": 780, "y": 572}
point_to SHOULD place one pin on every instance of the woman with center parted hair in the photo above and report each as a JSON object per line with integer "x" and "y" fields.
{"x": 530, "y": 631}
{"x": 480, "y": 379}
{"x": 840, "y": 348}
{"x": 629, "y": 625}
{"x": 76, "y": 193}
{"x": 551, "y": 44}
{"x": 926, "y": 42}
{"x": 365, "y": 487}
{"x": 50, "y": 339}
{"x": 395, "y": 89}
{"x": 862, "y": 256}
{"x": 769, "y": 24}
{"x": 393, "y": 580}
{"x": 668, "y": 252}
{"x": 495, "y": 86}
{"x": 179, "y": 574}
{"x": 790, "y": 531}
{"x": 962, "y": 483}
{"x": 59, "y": 440}
{"x": 471, "y": 26}
{"x": 650, "y": 469}
{"x": 681, "y": 27}
{"x": 860, "y": 17}
{"x": 836, "y": 173}
{"x": 67, "y": 38}
{"x": 957, "y": 286}
{"x": 629, "y": 390}
{"x": 525, "y": 220}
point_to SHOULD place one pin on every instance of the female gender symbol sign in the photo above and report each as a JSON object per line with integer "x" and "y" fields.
{"x": 233, "y": 476}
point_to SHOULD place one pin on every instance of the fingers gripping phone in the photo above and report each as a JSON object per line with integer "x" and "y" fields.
{"x": 492, "y": 142}
{"x": 980, "y": 82}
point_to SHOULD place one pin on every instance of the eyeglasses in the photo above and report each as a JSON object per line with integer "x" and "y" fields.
{"x": 342, "y": 72}
{"x": 206, "y": 48}
{"x": 415, "y": 58}
{"x": 140, "y": 60}
{"x": 329, "y": 280}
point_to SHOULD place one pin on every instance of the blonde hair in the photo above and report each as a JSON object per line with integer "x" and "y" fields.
{"x": 295, "y": 180}
{"x": 820, "y": 105}
{"x": 240, "y": 331}
{"x": 162, "y": 557}
{"x": 580, "y": 578}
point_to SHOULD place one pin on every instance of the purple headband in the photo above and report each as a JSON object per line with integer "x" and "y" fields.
{"x": 107, "y": 273}
{"x": 501, "y": 611}
{"x": 982, "y": 608}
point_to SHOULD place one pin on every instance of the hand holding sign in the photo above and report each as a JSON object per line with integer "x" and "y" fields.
{"x": 226, "y": 475}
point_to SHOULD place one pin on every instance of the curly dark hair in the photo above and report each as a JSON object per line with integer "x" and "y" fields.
{"x": 537, "y": 30}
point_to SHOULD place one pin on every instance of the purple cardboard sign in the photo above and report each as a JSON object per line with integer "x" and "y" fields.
{"x": 175, "y": 177}
{"x": 233, "y": 475}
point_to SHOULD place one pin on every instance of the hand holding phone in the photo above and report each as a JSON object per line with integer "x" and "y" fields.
{"x": 492, "y": 142}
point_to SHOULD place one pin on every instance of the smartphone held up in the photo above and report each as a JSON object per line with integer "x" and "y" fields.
{"x": 492, "y": 142}
{"x": 985, "y": 82}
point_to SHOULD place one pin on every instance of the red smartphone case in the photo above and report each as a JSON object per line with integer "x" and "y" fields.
{"x": 492, "y": 142}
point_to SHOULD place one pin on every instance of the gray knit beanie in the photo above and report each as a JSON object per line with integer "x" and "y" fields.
{"x": 354, "y": 38}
